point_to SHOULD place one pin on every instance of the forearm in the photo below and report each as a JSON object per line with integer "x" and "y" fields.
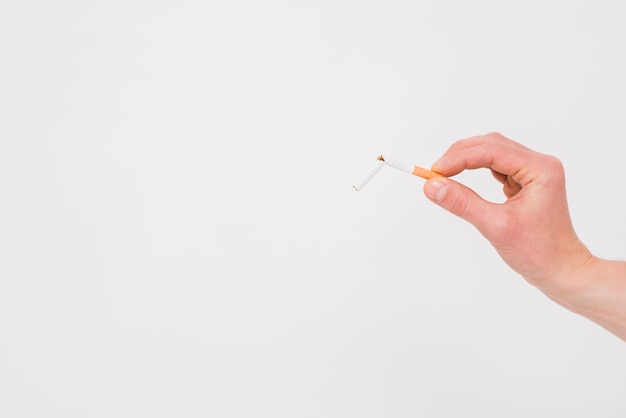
{"x": 597, "y": 291}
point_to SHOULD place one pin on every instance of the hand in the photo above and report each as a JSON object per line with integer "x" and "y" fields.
{"x": 532, "y": 231}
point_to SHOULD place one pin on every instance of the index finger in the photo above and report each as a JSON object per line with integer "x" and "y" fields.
{"x": 483, "y": 139}
{"x": 521, "y": 163}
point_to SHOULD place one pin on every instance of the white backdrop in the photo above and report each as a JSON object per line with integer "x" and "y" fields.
{"x": 179, "y": 235}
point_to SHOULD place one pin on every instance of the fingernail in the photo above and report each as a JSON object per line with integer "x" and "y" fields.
{"x": 437, "y": 163}
{"x": 436, "y": 190}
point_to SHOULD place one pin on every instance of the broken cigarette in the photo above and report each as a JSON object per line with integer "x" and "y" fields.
{"x": 398, "y": 165}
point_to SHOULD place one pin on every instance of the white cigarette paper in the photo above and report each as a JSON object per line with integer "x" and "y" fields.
{"x": 367, "y": 176}
{"x": 399, "y": 165}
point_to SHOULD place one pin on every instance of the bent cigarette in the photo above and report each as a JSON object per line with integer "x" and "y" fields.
{"x": 410, "y": 168}
{"x": 398, "y": 165}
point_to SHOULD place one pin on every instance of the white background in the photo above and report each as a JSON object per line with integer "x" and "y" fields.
{"x": 179, "y": 235}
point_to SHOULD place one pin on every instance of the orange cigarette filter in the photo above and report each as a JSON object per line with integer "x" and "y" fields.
{"x": 424, "y": 173}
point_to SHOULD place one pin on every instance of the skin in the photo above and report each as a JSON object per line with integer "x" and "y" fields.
{"x": 532, "y": 231}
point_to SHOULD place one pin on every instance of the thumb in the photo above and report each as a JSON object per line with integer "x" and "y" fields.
{"x": 461, "y": 201}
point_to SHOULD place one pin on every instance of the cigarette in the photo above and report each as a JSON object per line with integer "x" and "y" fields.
{"x": 398, "y": 165}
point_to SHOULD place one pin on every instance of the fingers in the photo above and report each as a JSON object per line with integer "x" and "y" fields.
{"x": 462, "y": 202}
{"x": 504, "y": 156}
{"x": 499, "y": 176}
{"x": 509, "y": 186}
{"x": 482, "y": 139}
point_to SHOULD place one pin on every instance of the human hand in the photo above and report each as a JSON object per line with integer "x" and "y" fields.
{"x": 532, "y": 231}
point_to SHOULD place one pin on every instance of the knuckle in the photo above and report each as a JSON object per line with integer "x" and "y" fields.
{"x": 554, "y": 167}
{"x": 554, "y": 162}
{"x": 495, "y": 136}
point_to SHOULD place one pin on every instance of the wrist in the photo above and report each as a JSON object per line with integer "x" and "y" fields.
{"x": 571, "y": 277}
{"x": 583, "y": 288}
{"x": 599, "y": 294}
